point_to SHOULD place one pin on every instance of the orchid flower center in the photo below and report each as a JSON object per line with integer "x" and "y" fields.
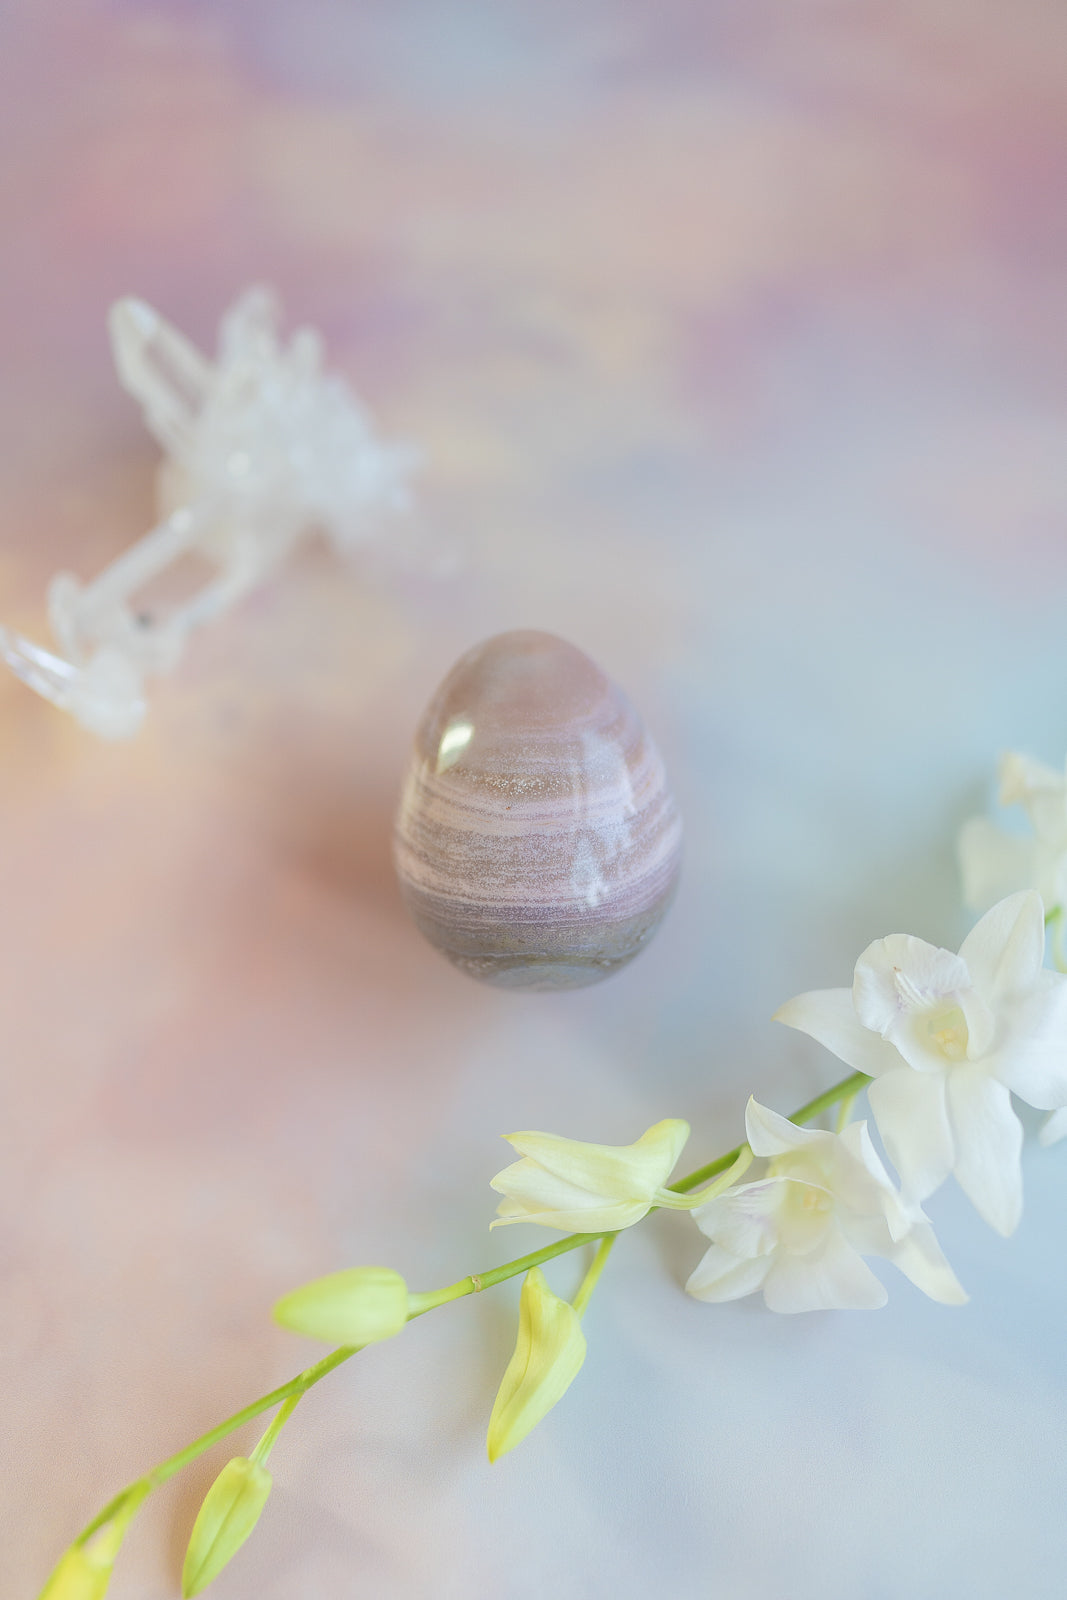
{"x": 947, "y": 1033}
{"x": 804, "y": 1206}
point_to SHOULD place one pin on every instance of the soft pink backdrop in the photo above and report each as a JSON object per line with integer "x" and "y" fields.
{"x": 735, "y": 344}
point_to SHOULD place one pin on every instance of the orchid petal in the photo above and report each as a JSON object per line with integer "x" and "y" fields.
{"x": 919, "y": 1257}
{"x": 835, "y": 1277}
{"x": 1042, "y": 793}
{"x": 805, "y": 1213}
{"x": 856, "y": 1141}
{"x": 1031, "y": 1057}
{"x": 1021, "y": 776}
{"x": 989, "y": 1139}
{"x": 901, "y": 974}
{"x": 901, "y": 983}
{"x": 910, "y": 1110}
{"x": 617, "y": 1171}
{"x": 533, "y": 1188}
{"x": 829, "y": 1016}
{"x": 721, "y": 1276}
{"x": 771, "y": 1134}
{"x": 534, "y": 1196}
{"x": 588, "y": 1188}
{"x": 869, "y": 1233}
{"x": 859, "y": 1176}
{"x": 742, "y": 1220}
{"x": 1005, "y": 951}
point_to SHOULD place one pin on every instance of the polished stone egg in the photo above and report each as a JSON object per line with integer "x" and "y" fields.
{"x": 537, "y": 842}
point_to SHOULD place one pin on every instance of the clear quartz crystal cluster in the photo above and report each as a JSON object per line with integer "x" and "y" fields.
{"x": 261, "y": 447}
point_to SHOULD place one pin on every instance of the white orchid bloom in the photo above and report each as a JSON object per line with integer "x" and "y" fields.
{"x": 948, "y": 1039}
{"x": 994, "y": 863}
{"x": 589, "y": 1188}
{"x": 800, "y": 1233}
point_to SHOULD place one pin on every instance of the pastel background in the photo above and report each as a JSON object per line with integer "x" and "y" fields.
{"x": 735, "y": 341}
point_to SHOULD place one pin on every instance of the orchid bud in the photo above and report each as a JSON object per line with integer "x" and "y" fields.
{"x": 230, "y": 1511}
{"x": 549, "y": 1351}
{"x": 359, "y": 1305}
{"x": 84, "y": 1571}
{"x": 80, "y": 1575}
{"x": 588, "y": 1188}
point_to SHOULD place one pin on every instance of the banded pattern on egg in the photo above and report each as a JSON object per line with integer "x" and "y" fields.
{"x": 537, "y": 842}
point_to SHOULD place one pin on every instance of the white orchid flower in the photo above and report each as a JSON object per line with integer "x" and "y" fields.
{"x": 948, "y": 1039}
{"x": 800, "y": 1232}
{"x": 590, "y": 1188}
{"x": 994, "y": 863}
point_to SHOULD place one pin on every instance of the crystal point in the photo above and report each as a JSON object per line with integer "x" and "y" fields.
{"x": 161, "y": 369}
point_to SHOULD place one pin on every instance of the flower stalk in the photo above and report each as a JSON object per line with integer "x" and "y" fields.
{"x": 285, "y": 1398}
{"x": 940, "y": 1040}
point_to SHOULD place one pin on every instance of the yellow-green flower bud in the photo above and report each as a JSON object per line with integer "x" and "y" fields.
{"x": 548, "y": 1354}
{"x": 84, "y": 1571}
{"x": 230, "y": 1511}
{"x": 357, "y": 1306}
{"x": 80, "y": 1575}
{"x": 588, "y": 1188}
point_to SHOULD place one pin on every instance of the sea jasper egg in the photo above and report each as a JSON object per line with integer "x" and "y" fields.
{"x": 537, "y": 842}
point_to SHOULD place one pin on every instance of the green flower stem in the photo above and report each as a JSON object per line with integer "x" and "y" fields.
{"x": 295, "y": 1388}
{"x": 112, "y": 1509}
{"x": 287, "y": 1395}
{"x": 475, "y": 1282}
{"x": 673, "y": 1201}
{"x": 266, "y": 1444}
{"x": 844, "y": 1111}
{"x": 119, "y": 1512}
{"x": 589, "y": 1282}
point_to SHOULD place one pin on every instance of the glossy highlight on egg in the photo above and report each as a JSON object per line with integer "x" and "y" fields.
{"x": 537, "y": 843}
